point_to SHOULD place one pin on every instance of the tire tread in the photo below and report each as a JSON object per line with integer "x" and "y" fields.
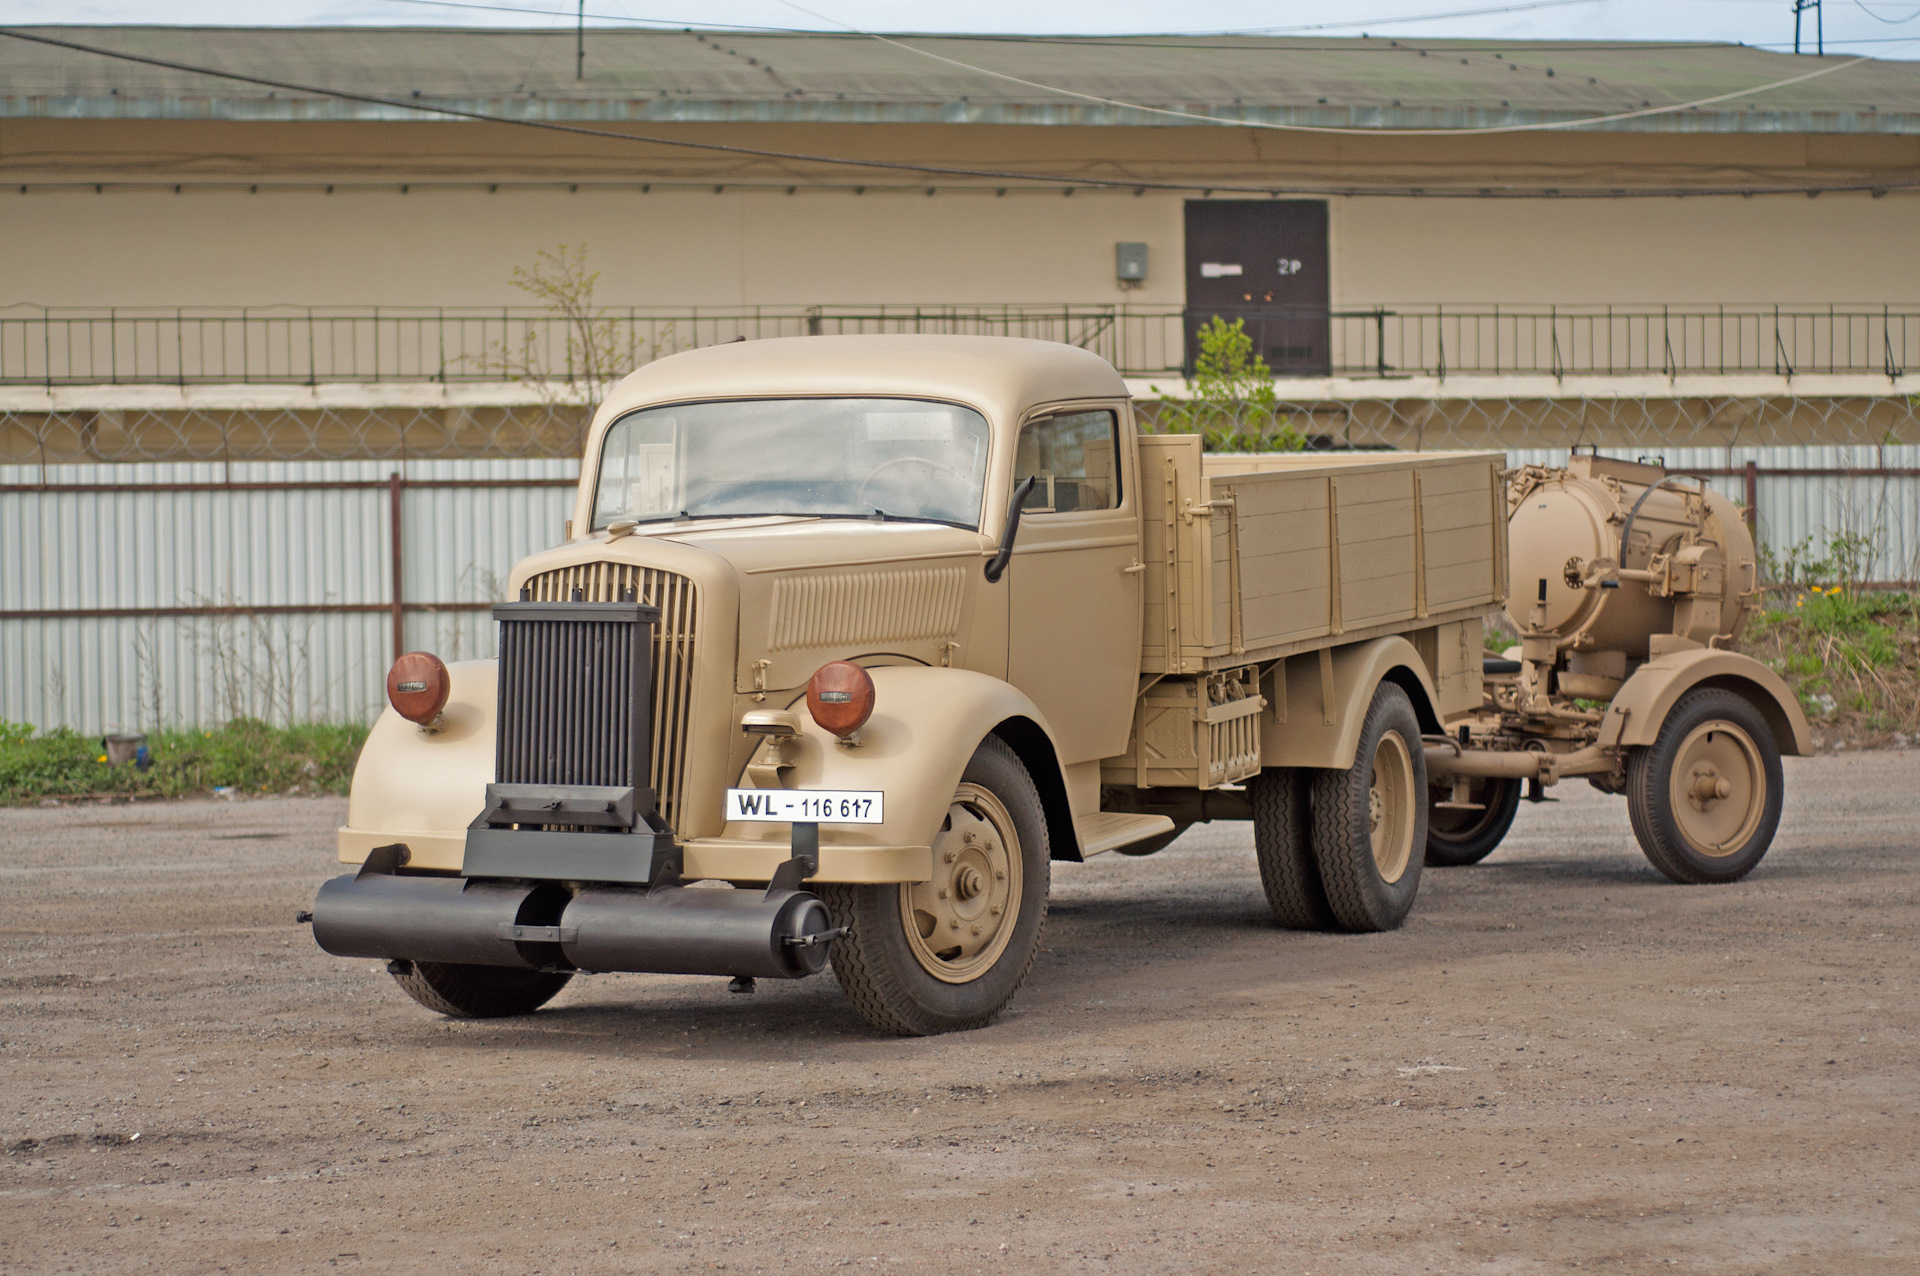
{"x": 1360, "y": 901}
{"x": 1283, "y": 847}
{"x": 479, "y": 992}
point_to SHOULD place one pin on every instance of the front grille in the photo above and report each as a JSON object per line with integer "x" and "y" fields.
{"x": 673, "y": 645}
{"x": 573, "y": 694}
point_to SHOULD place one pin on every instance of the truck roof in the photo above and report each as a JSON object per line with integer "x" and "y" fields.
{"x": 1001, "y": 376}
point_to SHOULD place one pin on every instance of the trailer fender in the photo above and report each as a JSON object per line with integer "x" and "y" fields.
{"x": 424, "y": 787}
{"x": 1642, "y": 705}
{"x": 926, "y": 724}
{"x": 1322, "y": 728}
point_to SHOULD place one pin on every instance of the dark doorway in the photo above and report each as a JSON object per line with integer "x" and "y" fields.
{"x": 1264, "y": 261}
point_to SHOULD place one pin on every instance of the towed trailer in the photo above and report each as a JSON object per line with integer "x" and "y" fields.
{"x": 851, "y": 637}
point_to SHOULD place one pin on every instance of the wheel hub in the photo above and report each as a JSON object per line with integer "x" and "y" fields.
{"x": 1719, "y": 788}
{"x": 1709, "y": 786}
{"x": 959, "y": 922}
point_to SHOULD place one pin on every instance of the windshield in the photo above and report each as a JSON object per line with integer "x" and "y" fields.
{"x": 849, "y": 458}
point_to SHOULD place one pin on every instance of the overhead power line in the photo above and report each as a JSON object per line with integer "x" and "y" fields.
{"x": 898, "y": 166}
{"x": 1537, "y": 127}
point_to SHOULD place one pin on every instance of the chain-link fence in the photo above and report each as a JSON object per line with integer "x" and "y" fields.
{"x": 1647, "y": 424}
{"x": 48, "y": 438}
{"x": 292, "y": 434}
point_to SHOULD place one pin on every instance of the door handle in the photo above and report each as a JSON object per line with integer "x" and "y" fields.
{"x": 1135, "y": 569}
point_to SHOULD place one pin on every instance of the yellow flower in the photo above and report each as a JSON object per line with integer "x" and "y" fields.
{"x": 101, "y": 758}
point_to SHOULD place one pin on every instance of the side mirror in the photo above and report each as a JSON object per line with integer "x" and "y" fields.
{"x": 997, "y": 565}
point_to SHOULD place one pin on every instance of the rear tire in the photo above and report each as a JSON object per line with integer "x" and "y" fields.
{"x": 477, "y": 992}
{"x": 1370, "y": 821}
{"x": 1456, "y": 839}
{"x": 1705, "y": 796}
{"x": 1283, "y": 846}
{"x": 948, "y": 954}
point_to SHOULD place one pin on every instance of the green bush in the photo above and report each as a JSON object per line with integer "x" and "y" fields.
{"x": 1232, "y": 404}
{"x": 247, "y": 755}
{"x": 1853, "y": 658}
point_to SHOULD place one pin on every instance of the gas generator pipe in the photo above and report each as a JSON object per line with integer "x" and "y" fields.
{"x": 782, "y": 933}
{"x": 1447, "y": 759}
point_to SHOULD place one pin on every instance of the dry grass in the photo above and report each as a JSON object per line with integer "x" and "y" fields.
{"x": 1852, "y": 658}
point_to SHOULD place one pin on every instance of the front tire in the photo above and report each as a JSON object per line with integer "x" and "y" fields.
{"x": 1370, "y": 821}
{"x": 1705, "y": 796}
{"x": 1456, "y": 839}
{"x": 948, "y": 954}
{"x": 477, "y": 992}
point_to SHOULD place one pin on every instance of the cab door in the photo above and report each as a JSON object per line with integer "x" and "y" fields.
{"x": 1073, "y": 641}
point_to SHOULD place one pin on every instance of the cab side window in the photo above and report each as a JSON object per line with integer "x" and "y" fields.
{"x": 1074, "y": 461}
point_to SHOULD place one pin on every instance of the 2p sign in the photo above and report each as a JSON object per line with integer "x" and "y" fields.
{"x": 805, "y": 806}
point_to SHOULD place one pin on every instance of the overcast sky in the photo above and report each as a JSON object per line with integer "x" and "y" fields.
{"x": 1886, "y": 28}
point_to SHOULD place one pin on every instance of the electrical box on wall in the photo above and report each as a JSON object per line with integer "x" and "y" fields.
{"x": 1130, "y": 262}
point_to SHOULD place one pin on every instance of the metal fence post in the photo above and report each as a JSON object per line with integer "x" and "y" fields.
{"x": 395, "y": 486}
{"x": 1753, "y": 501}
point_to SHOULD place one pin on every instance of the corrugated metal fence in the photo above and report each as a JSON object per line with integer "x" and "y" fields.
{"x": 164, "y": 594}
{"x": 144, "y": 595}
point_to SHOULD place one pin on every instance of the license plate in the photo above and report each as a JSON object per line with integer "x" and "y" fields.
{"x": 804, "y": 806}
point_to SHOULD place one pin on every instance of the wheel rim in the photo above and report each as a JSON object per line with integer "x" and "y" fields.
{"x": 1718, "y": 788}
{"x": 1390, "y": 807}
{"x": 959, "y": 923}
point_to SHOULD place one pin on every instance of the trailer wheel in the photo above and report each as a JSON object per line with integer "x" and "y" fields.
{"x": 1283, "y": 846}
{"x": 1370, "y": 821}
{"x": 949, "y": 953}
{"x": 477, "y": 992}
{"x": 1704, "y": 797}
{"x": 1456, "y": 839}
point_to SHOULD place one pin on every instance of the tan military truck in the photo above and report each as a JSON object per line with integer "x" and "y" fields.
{"x": 851, "y": 636}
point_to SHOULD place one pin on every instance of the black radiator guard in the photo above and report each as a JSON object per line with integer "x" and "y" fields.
{"x": 570, "y": 801}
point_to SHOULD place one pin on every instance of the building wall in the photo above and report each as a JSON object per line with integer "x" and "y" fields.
{"x": 368, "y": 245}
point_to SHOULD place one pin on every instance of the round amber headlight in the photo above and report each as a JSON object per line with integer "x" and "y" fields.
{"x": 418, "y": 686}
{"x": 840, "y": 697}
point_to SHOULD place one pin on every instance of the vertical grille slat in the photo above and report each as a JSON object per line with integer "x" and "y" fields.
{"x": 669, "y": 666}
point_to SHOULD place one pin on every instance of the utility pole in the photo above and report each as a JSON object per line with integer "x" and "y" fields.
{"x": 1819, "y": 25}
{"x": 580, "y": 38}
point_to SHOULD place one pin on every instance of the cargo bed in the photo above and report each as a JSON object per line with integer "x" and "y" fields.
{"x": 1250, "y": 558}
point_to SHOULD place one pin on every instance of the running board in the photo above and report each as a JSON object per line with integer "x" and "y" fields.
{"x": 1111, "y": 830}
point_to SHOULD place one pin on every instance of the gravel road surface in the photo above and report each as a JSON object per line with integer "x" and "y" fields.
{"x": 1562, "y": 1061}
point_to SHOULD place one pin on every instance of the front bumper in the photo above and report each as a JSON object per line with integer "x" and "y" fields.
{"x": 724, "y": 859}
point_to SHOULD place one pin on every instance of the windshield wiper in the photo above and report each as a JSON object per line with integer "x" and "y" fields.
{"x": 881, "y": 516}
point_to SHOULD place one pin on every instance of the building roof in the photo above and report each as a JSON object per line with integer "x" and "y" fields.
{"x": 694, "y": 76}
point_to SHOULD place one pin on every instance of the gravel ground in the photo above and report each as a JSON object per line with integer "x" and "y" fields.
{"x": 1561, "y": 1061}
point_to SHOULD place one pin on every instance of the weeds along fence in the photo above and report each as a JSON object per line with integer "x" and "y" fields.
{"x": 313, "y": 345}
{"x": 165, "y": 567}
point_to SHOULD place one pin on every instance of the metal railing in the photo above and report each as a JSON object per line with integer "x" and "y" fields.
{"x": 311, "y": 345}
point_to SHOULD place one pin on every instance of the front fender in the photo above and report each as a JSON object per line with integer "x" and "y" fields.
{"x": 925, "y": 727}
{"x": 1322, "y": 726}
{"x": 1642, "y": 705}
{"x": 423, "y": 788}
